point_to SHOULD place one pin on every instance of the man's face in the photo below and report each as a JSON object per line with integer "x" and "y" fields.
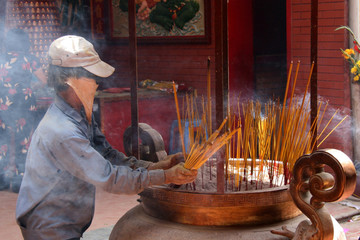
{"x": 85, "y": 89}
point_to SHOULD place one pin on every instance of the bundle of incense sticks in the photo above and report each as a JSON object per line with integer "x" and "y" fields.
{"x": 201, "y": 151}
{"x": 271, "y": 134}
{"x": 203, "y": 143}
{"x": 261, "y": 139}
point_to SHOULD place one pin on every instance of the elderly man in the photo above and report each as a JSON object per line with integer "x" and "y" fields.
{"x": 69, "y": 157}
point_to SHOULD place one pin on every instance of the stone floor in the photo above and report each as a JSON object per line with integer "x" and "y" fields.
{"x": 110, "y": 208}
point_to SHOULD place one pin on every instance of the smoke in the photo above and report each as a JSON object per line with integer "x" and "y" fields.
{"x": 19, "y": 92}
{"x": 18, "y": 104}
{"x": 334, "y": 128}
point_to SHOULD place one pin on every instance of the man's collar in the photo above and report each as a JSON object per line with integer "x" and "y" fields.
{"x": 67, "y": 109}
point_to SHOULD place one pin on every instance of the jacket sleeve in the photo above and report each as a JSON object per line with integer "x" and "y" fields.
{"x": 76, "y": 155}
{"x": 114, "y": 156}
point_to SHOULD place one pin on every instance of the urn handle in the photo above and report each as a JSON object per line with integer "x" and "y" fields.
{"x": 311, "y": 187}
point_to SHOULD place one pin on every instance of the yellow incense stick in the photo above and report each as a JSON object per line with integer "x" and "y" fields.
{"x": 332, "y": 130}
{"x": 179, "y": 121}
{"x": 282, "y": 113}
{"x": 209, "y": 96}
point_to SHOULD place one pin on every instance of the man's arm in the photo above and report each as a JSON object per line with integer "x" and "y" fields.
{"x": 114, "y": 156}
{"x": 75, "y": 155}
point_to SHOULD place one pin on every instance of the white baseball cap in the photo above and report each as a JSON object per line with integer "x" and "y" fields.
{"x": 75, "y": 51}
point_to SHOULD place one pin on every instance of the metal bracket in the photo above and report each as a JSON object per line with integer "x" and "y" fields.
{"x": 311, "y": 187}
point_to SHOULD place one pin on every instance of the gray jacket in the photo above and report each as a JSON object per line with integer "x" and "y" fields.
{"x": 67, "y": 160}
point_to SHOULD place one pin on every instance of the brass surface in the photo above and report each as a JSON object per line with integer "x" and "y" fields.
{"x": 312, "y": 186}
{"x": 213, "y": 209}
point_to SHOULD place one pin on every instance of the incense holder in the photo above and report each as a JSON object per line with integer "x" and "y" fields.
{"x": 166, "y": 213}
{"x": 213, "y": 209}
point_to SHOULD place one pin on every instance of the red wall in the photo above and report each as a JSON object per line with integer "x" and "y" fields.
{"x": 182, "y": 63}
{"x": 159, "y": 112}
{"x": 333, "y": 77}
{"x": 186, "y": 63}
{"x": 241, "y": 58}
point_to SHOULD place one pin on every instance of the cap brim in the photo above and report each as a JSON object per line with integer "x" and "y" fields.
{"x": 100, "y": 69}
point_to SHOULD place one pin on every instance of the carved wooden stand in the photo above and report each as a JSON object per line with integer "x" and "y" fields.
{"x": 311, "y": 187}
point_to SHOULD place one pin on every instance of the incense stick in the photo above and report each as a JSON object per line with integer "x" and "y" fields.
{"x": 179, "y": 121}
{"x": 268, "y": 138}
{"x": 332, "y": 130}
{"x": 209, "y": 96}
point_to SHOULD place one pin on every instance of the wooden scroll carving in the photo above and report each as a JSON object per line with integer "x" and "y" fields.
{"x": 311, "y": 187}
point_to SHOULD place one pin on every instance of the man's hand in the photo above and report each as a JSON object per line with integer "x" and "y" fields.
{"x": 180, "y": 175}
{"x": 168, "y": 162}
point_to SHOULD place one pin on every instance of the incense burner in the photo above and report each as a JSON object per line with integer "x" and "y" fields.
{"x": 213, "y": 209}
{"x": 166, "y": 213}
{"x": 232, "y": 208}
